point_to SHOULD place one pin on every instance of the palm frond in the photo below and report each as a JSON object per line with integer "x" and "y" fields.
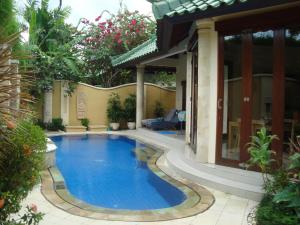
{"x": 13, "y": 87}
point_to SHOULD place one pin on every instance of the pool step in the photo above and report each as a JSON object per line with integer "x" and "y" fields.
{"x": 246, "y": 184}
{"x": 58, "y": 180}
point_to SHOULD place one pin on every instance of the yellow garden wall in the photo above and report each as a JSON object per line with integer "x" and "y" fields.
{"x": 96, "y": 101}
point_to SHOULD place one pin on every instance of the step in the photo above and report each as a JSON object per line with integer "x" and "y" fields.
{"x": 212, "y": 177}
{"x": 242, "y": 183}
{"x": 75, "y": 129}
{"x": 97, "y": 128}
{"x": 162, "y": 140}
{"x": 239, "y": 175}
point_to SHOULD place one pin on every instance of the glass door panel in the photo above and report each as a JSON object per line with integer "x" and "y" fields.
{"x": 262, "y": 80}
{"x": 232, "y": 98}
{"x": 291, "y": 128}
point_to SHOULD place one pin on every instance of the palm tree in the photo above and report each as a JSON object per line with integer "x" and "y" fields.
{"x": 52, "y": 42}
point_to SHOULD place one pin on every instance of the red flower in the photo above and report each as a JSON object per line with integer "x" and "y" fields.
{"x": 119, "y": 41}
{"x": 133, "y": 22}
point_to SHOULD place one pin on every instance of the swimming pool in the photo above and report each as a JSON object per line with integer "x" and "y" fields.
{"x": 111, "y": 171}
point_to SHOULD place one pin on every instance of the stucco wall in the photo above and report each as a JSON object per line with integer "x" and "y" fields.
{"x": 96, "y": 101}
{"x": 153, "y": 94}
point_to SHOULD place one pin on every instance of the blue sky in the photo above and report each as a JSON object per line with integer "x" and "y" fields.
{"x": 90, "y": 9}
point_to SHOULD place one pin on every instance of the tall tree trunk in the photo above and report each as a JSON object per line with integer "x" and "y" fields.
{"x": 60, "y": 4}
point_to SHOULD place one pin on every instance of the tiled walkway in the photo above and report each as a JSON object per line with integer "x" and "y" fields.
{"x": 227, "y": 210}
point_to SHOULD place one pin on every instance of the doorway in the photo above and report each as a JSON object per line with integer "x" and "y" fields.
{"x": 194, "y": 103}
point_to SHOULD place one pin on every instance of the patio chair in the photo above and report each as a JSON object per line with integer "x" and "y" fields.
{"x": 162, "y": 123}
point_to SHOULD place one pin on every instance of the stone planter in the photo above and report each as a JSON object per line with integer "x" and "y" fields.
{"x": 115, "y": 126}
{"x": 131, "y": 125}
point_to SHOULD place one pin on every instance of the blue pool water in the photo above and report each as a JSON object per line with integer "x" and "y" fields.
{"x": 103, "y": 170}
{"x": 167, "y": 132}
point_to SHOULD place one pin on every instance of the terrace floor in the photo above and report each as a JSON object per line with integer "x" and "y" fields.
{"x": 227, "y": 210}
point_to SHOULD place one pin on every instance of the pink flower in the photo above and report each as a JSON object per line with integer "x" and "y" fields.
{"x": 119, "y": 41}
{"x": 98, "y": 18}
{"x": 133, "y": 22}
{"x": 33, "y": 207}
{"x": 85, "y": 21}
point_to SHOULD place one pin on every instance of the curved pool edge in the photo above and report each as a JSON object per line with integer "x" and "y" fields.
{"x": 198, "y": 199}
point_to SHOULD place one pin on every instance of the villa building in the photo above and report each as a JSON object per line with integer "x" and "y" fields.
{"x": 238, "y": 69}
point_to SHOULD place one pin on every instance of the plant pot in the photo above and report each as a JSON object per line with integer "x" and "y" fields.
{"x": 2, "y": 202}
{"x": 115, "y": 126}
{"x": 131, "y": 125}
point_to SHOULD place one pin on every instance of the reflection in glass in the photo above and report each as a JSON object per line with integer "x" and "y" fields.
{"x": 232, "y": 97}
{"x": 292, "y": 86}
{"x": 262, "y": 80}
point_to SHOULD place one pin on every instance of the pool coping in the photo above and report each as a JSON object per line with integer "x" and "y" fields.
{"x": 198, "y": 199}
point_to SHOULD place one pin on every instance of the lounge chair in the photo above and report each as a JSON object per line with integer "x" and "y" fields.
{"x": 163, "y": 123}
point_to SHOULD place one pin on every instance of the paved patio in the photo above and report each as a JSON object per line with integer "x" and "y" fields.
{"x": 227, "y": 210}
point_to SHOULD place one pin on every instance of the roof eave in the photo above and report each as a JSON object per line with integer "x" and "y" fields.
{"x": 166, "y": 24}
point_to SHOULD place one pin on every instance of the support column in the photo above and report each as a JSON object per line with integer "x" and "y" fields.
{"x": 207, "y": 90}
{"x": 188, "y": 97}
{"x": 47, "y": 106}
{"x": 139, "y": 95}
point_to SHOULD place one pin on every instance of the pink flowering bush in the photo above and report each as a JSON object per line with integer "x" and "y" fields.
{"x": 111, "y": 36}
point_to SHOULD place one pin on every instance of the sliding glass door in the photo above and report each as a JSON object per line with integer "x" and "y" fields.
{"x": 245, "y": 93}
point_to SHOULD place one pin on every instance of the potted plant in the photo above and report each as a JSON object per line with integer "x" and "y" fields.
{"x": 130, "y": 111}
{"x": 85, "y": 122}
{"x": 114, "y": 111}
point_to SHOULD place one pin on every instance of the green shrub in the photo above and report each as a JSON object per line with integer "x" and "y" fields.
{"x": 114, "y": 109}
{"x": 40, "y": 123}
{"x": 130, "y": 108}
{"x": 56, "y": 125}
{"x": 85, "y": 122}
{"x": 281, "y": 205}
{"x": 269, "y": 213}
{"x": 22, "y": 152}
{"x": 159, "y": 110}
